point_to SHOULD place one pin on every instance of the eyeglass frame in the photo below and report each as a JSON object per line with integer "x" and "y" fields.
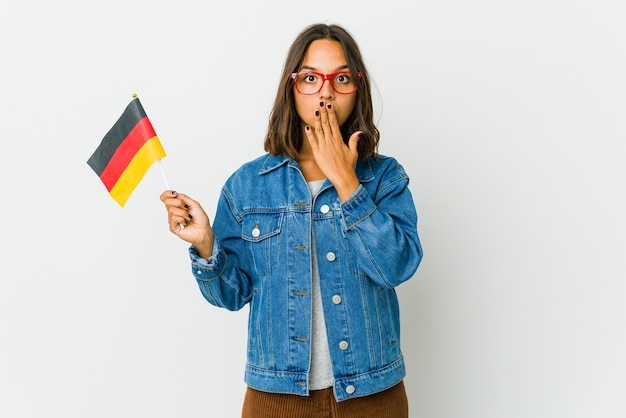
{"x": 329, "y": 77}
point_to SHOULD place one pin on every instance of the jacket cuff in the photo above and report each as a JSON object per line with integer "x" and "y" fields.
{"x": 358, "y": 207}
{"x": 203, "y": 268}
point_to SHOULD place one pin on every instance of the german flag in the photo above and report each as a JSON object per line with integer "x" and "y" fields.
{"x": 126, "y": 152}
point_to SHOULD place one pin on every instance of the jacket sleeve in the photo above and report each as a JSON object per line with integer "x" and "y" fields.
{"x": 222, "y": 279}
{"x": 380, "y": 225}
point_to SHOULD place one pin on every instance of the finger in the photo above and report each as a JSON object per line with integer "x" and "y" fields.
{"x": 167, "y": 195}
{"x": 353, "y": 142}
{"x": 179, "y": 213}
{"x": 310, "y": 136}
{"x": 332, "y": 121}
{"x": 177, "y": 224}
{"x": 325, "y": 123}
{"x": 175, "y": 199}
{"x": 318, "y": 131}
{"x": 172, "y": 198}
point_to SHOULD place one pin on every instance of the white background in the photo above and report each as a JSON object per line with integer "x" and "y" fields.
{"x": 509, "y": 116}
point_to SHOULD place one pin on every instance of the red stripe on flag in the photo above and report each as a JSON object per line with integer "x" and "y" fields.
{"x": 138, "y": 136}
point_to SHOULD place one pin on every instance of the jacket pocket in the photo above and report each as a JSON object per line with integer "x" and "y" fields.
{"x": 262, "y": 233}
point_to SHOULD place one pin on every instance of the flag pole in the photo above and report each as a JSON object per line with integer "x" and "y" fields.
{"x": 167, "y": 185}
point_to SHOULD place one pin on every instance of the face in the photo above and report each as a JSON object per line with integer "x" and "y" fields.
{"x": 326, "y": 57}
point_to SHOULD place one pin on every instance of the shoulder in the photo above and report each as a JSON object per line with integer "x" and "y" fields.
{"x": 253, "y": 165}
{"x": 263, "y": 164}
{"x": 256, "y": 168}
{"x": 387, "y": 162}
{"x": 384, "y": 168}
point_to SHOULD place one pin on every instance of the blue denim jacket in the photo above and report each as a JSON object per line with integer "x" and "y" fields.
{"x": 366, "y": 246}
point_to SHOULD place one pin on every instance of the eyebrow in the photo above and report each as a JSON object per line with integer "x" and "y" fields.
{"x": 340, "y": 68}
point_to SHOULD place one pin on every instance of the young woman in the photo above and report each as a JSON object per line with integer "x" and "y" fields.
{"x": 314, "y": 235}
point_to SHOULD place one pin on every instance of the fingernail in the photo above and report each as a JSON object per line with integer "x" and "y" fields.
{"x": 308, "y": 128}
{"x": 187, "y": 206}
{"x": 360, "y": 134}
{"x": 173, "y": 192}
{"x": 317, "y": 113}
{"x": 321, "y": 104}
{"x": 328, "y": 105}
{"x": 190, "y": 217}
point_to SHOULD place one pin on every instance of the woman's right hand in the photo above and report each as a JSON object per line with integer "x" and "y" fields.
{"x": 189, "y": 221}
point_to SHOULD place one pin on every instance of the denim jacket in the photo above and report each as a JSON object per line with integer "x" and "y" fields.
{"x": 366, "y": 246}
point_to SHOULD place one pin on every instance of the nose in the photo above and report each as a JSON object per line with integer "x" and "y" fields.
{"x": 327, "y": 90}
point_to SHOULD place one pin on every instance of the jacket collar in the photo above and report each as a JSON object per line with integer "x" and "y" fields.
{"x": 364, "y": 171}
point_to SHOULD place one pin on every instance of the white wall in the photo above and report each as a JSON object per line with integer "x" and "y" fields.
{"x": 509, "y": 117}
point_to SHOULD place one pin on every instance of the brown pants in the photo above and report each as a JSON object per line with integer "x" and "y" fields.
{"x": 391, "y": 403}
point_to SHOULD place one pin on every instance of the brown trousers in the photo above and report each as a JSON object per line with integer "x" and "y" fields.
{"x": 391, "y": 403}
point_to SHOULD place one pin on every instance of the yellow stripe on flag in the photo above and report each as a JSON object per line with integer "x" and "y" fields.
{"x": 150, "y": 152}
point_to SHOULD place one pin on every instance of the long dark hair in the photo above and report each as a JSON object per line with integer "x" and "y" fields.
{"x": 284, "y": 133}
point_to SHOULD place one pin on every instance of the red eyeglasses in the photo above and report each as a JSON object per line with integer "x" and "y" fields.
{"x": 311, "y": 82}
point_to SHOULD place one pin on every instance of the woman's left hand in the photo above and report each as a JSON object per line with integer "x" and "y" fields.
{"x": 336, "y": 159}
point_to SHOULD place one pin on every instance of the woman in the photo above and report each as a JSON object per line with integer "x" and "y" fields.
{"x": 314, "y": 235}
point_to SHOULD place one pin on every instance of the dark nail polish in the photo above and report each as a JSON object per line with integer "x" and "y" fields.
{"x": 186, "y": 206}
{"x": 321, "y": 104}
{"x": 173, "y": 192}
{"x": 328, "y": 105}
{"x": 308, "y": 128}
{"x": 317, "y": 113}
{"x": 190, "y": 217}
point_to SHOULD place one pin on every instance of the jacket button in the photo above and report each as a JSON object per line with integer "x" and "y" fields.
{"x": 336, "y": 299}
{"x": 343, "y": 345}
{"x": 256, "y": 232}
{"x": 330, "y": 256}
{"x": 324, "y": 208}
{"x": 350, "y": 389}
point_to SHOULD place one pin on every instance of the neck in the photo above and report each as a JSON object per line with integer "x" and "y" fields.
{"x": 308, "y": 165}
